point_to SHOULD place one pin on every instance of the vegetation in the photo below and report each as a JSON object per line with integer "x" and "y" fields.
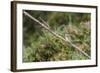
{"x": 41, "y": 45}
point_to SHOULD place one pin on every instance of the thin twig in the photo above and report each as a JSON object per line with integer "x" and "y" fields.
{"x": 57, "y": 35}
{"x": 44, "y": 22}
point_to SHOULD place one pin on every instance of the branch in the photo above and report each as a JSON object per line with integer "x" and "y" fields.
{"x": 55, "y": 34}
{"x": 44, "y": 22}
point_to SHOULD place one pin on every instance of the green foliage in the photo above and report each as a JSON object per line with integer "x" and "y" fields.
{"x": 40, "y": 45}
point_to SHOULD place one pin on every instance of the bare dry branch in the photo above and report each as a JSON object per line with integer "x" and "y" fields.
{"x": 44, "y": 22}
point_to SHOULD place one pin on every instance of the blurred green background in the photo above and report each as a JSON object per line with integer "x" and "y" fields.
{"x": 40, "y": 45}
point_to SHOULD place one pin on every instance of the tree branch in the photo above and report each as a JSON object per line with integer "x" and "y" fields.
{"x": 44, "y": 22}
